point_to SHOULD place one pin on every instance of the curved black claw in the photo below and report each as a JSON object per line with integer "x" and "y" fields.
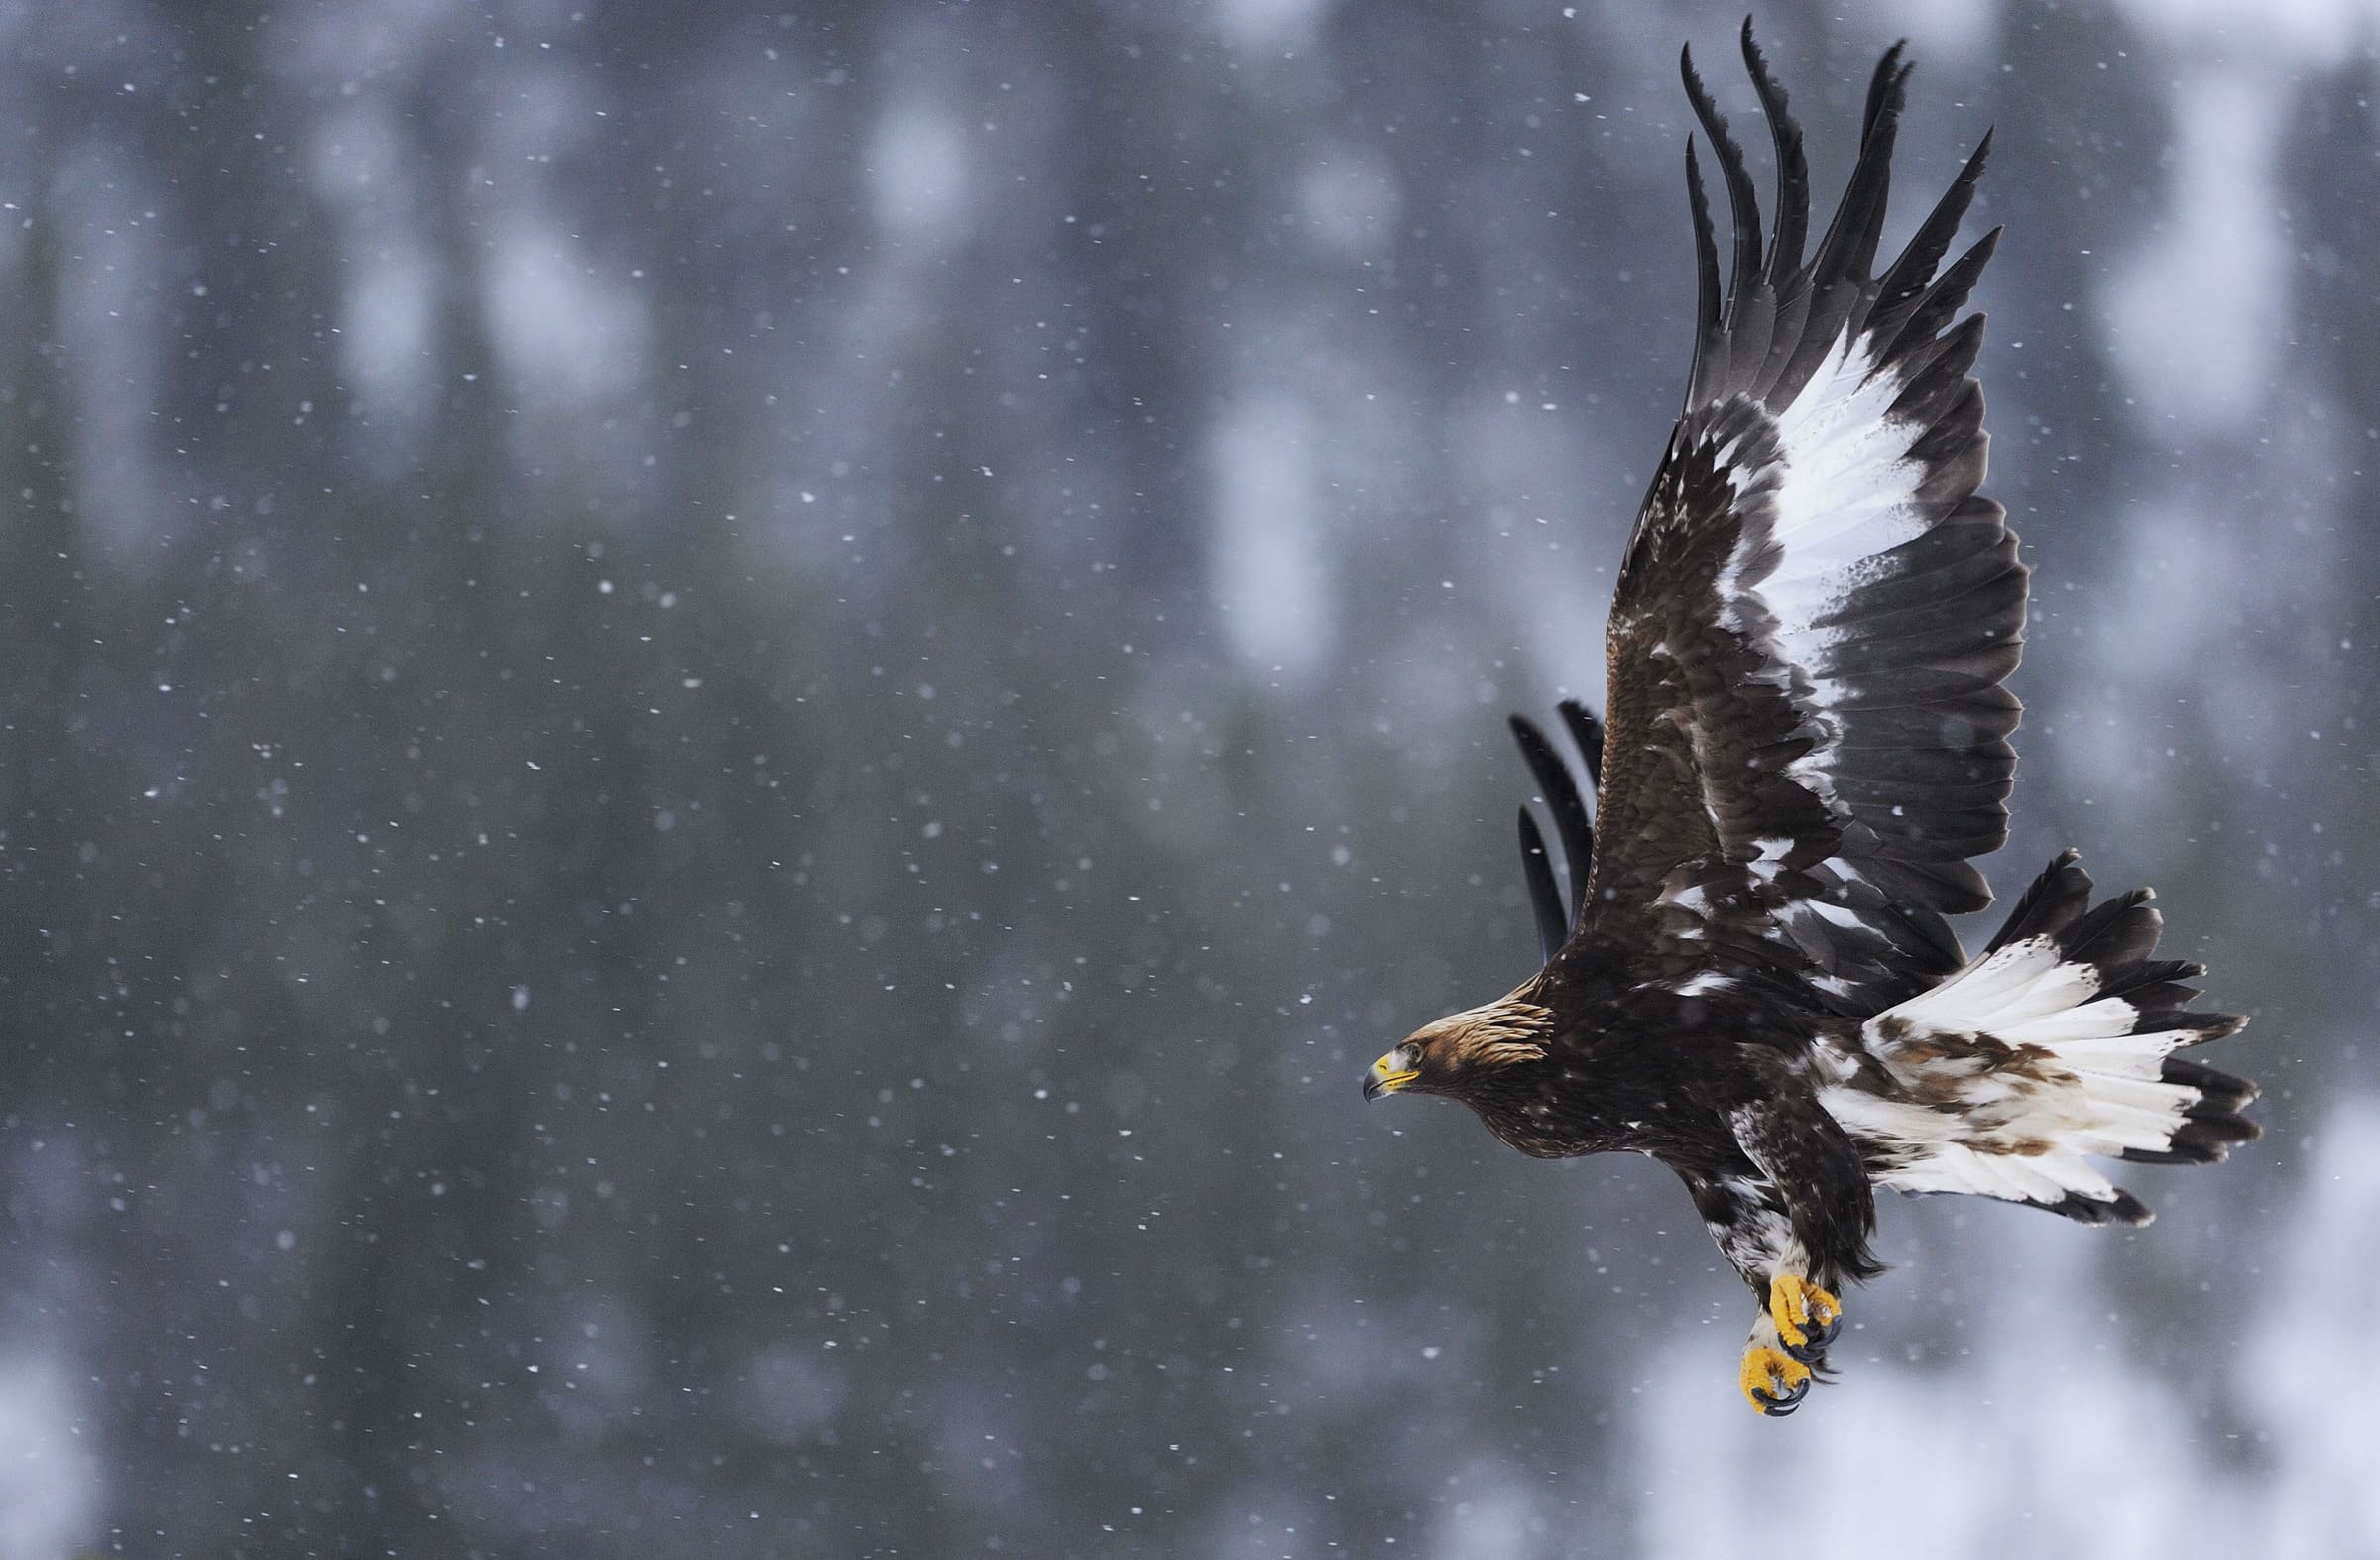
{"x": 1773, "y": 1381}
{"x": 1812, "y": 1348}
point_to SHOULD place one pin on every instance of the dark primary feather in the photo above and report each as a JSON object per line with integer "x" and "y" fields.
{"x": 1561, "y": 792}
{"x": 1587, "y": 733}
{"x": 1748, "y": 291}
{"x": 1793, "y": 168}
{"x": 1567, "y": 800}
{"x": 1545, "y": 899}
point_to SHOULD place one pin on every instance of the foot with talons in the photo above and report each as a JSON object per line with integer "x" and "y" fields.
{"x": 1806, "y": 1317}
{"x": 1774, "y": 1381}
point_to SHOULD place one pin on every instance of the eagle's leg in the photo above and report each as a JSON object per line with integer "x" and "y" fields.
{"x": 1748, "y": 1217}
{"x": 1790, "y": 1334}
{"x": 1794, "y": 1227}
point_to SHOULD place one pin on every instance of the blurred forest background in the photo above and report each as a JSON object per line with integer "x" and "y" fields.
{"x": 727, "y": 725}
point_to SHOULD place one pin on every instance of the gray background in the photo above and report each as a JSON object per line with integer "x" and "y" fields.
{"x": 725, "y": 730}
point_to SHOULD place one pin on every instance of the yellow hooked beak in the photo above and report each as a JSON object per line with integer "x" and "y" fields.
{"x": 1391, "y": 1072}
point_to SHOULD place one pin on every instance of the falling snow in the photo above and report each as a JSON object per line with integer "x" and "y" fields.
{"x": 729, "y": 725}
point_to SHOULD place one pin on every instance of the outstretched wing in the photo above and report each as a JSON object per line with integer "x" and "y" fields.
{"x": 1807, "y": 735}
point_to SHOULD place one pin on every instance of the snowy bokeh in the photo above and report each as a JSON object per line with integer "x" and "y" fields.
{"x": 729, "y": 725}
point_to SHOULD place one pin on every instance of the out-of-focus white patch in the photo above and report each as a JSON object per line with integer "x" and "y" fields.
{"x": 917, "y": 171}
{"x": 1270, "y": 23}
{"x": 1942, "y": 33}
{"x": 2195, "y": 317}
{"x": 566, "y": 331}
{"x": 385, "y": 337}
{"x": 2308, "y": 1370}
{"x": 2041, "y": 1439}
{"x": 357, "y": 158}
{"x": 107, "y": 315}
{"x": 1351, "y": 201}
{"x": 2308, "y": 34}
{"x": 48, "y": 1475}
{"x": 390, "y": 281}
{"x": 1492, "y": 1514}
{"x": 340, "y": 45}
{"x": 786, "y": 1394}
{"x": 1272, "y": 581}
{"x": 2027, "y": 1427}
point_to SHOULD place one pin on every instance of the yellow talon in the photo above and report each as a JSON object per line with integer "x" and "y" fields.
{"x": 1794, "y": 1300}
{"x": 1773, "y": 1381}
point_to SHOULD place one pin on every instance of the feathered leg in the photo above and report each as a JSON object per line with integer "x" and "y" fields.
{"x": 1797, "y": 1318}
{"x": 1795, "y": 1251}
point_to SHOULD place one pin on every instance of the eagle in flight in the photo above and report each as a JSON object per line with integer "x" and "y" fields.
{"x": 1806, "y": 741}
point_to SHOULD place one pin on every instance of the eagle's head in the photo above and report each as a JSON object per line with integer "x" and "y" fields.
{"x": 1463, "y": 1052}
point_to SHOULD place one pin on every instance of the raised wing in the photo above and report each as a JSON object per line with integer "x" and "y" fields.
{"x": 1807, "y": 735}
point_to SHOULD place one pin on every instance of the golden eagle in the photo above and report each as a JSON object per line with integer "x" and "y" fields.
{"x": 1805, "y": 742}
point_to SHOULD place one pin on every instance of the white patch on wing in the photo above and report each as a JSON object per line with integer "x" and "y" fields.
{"x": 1694, "y": 896}
{"x": 1768, "y": 858}
{"x": 1833, "y": 914}
{"x": 1847, "y": 482}
{"x": 1844, "y": 496}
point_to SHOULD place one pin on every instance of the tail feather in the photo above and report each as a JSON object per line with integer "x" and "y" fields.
{"x": 2204, "y": 1137}
{"x": 2051, "y": 901}
{"x": 2218, "y": 1088}
{"x": 2055, "y": 1043}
